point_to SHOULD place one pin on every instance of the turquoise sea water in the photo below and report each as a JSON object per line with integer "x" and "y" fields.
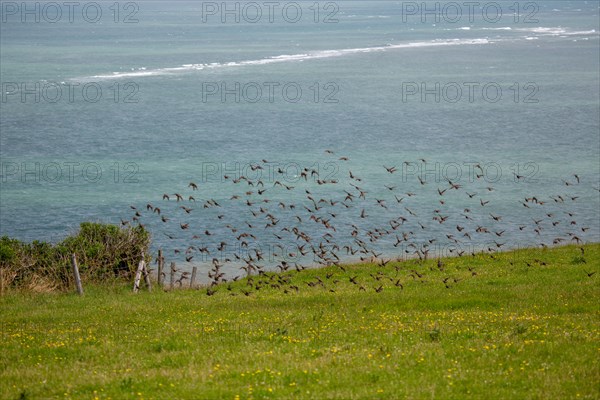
{"x": 179, "y": 96}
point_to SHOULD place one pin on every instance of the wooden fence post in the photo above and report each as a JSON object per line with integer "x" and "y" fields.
{"x": 76, "y": 275}
{"x": 160, "y": 268}
{"x": 194, "y": 269}
{"x": 147, "y": 278}
{"x": 138, "y": 276}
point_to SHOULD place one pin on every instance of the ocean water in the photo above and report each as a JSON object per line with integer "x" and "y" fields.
{"x": 103, "y": 112}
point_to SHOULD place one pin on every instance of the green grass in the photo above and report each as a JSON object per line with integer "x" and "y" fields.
{"x": 511, "y": 331}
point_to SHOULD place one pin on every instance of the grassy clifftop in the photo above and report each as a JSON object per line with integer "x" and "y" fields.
{"x": 521, "y": 324}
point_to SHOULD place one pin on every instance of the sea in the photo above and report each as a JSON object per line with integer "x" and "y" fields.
{"x": 319, "y": 131}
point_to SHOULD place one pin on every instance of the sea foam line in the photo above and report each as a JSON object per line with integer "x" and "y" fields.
{"x": 143, "y": 72}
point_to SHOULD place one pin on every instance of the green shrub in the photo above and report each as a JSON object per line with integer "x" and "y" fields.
{"x": 104, "y": 252}
{"x": 7, "y": 253}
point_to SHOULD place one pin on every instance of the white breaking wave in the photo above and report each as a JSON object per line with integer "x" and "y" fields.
{"x": 504, "y": 28}
{"x": 590, "y": 32}
{"x": 143, "y": 72}
{"x": 557, "y": 31}
{"x": 532, "y": 34}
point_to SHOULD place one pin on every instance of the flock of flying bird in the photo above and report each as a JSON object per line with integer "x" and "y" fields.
{"x": 279, "y": 222}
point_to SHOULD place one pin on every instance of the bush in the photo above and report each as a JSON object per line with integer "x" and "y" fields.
{"x": 7, "y": 253}
{"x": 104, "y": 253}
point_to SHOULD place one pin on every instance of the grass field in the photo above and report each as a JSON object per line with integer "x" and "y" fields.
{"x": 522, "y": 324}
